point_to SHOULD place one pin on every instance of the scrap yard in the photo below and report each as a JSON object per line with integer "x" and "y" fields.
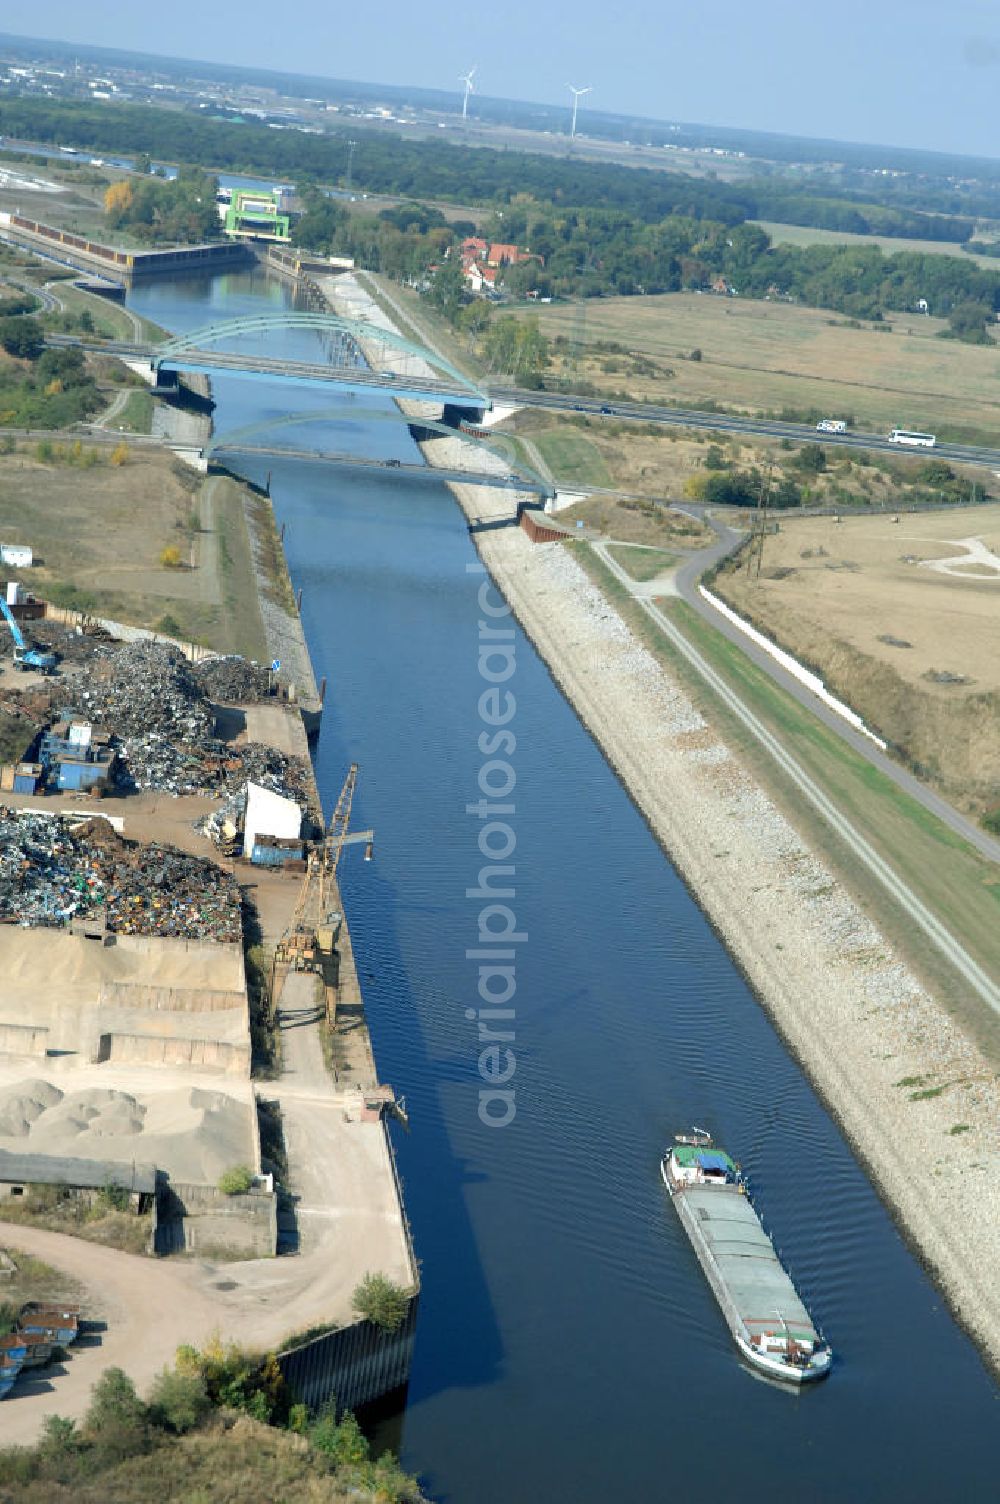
{"x": 165, "y": 1014}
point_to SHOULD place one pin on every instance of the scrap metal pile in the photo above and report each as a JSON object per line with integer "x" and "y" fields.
{"x": 157, "y": 706}
{"x": 52, "y": 872}
{"x": 232, "y": 680}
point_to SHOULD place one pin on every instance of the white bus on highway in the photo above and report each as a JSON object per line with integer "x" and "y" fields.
{"x": 917, "y": 440}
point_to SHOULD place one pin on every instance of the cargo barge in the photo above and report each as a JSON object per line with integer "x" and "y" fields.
{"x": 770, "y": 1325}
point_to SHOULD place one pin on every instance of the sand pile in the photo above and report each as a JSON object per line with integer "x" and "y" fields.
{"x": 192, "y": 1133}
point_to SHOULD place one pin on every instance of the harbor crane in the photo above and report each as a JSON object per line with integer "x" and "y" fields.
{"x": 27, "y": 659}
{"x": 311, "y": 931}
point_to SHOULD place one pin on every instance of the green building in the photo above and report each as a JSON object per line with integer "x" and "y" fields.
{"x": 256, "y": 215}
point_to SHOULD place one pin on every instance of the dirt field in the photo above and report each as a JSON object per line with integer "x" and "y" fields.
{"x": 98, "y": 535}
{"x": 760, "y": 357}
{"x": 901, "y": 619}
{"x": 628, "y": 521}
{"x": 809, "y": 235}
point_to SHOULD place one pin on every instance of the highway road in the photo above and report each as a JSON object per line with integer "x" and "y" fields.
{"x": 678, "y": 417}
{"x": 917, "y": 911}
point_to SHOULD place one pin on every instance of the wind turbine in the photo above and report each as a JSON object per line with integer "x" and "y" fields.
{"x": 466, "y": 79}
{"x": 577, "y": 96}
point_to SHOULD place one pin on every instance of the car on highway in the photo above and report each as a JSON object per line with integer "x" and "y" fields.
{"x": 831, "y": 425}
{"x": 605, "y": 410}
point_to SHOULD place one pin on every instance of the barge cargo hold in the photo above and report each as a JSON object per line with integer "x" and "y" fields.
{"x": 770, "y": 1325}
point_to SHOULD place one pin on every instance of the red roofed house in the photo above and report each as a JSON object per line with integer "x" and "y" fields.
{"x": 501, "y": 255}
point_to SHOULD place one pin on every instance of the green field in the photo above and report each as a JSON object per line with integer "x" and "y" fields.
{"x": 960, "y": 886}
{"x": 641, "y": 563}
{"x": 574, "y": 458}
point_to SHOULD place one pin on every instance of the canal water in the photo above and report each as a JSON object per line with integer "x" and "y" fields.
{"x": 568, "y": 1347}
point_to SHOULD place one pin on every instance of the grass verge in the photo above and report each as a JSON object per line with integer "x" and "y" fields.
{"x": 573, "y": 459}
{"x": 137, "y": 414}
{"x": 641, "y": 563}
{"x": 949, "y": 876}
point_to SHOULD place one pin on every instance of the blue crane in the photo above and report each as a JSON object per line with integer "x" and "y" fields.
{"x": 28, "y": 660}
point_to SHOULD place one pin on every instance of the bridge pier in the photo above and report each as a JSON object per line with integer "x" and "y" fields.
{"x": 163, "y": 381}
{"x": 454, "y": 416}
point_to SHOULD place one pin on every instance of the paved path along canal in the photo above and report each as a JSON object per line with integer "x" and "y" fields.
{"x": 567, "y": 1337}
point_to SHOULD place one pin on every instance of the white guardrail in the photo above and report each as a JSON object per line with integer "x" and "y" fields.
{"x": 805, "y": 676}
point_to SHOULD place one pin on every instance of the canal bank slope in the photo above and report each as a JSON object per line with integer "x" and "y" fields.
{"x": 864, "y": 1028}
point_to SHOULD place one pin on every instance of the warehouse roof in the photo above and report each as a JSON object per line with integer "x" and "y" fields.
{"x": 80, "y": 1174}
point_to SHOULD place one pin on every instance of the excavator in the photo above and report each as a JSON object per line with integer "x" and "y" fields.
{"x": 27, "y": 659}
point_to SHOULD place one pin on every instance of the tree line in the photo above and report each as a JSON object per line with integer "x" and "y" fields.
{"x": 599, "y": 229}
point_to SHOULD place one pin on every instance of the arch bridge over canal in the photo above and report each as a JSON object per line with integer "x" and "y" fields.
{"x": 483, "y": 451}
{"x": 362, "y": 356}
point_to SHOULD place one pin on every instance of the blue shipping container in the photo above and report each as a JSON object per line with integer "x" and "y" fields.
{"x": 269, "y": 854}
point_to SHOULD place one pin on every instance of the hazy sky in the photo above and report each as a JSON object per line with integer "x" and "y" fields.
{"x": 907, "y": 72}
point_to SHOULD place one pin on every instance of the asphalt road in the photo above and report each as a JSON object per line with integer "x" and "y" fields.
{"x": 918, "y": 912}
{"x": 801, "y": 433}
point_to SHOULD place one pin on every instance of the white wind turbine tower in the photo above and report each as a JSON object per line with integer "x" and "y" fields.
{"x": 577, "y": 96}
{"x": 466, "y": 79}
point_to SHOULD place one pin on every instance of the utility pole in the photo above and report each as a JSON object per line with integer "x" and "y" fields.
{"x": 350, "y": 163}
{"x": 758, "y": 531}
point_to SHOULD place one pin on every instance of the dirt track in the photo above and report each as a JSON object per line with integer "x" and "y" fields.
{"x": 148, "y": 1307}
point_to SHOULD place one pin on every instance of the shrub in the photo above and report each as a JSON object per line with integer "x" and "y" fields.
{"x": 695, "y": 487}
{"x": 170, "y": 557}
{"x": 378, "y": 1300}
{"x": 343, "y": 1443}
{"x": 59, "y": 1436}
{"x": 119, "y": 455}
{"x": 117, "y": 1422}
{"x": 22, "y": 336}
{"x": 811, "y": 459}
{"x": 114, "y": 1198}
{"x": 715, "y": 459}
{"x": 935, "y": 473}
{"x": 734, "y": 488}
{"x": 237, "y": 1181}
{"x": 179, "y": 1400}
